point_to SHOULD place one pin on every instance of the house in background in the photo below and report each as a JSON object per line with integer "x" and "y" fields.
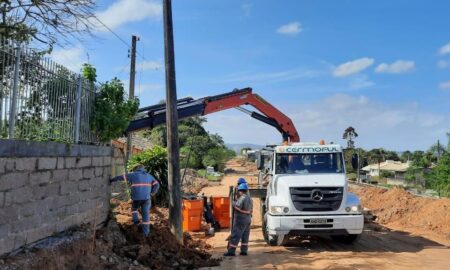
{"x": 396, "y": 168}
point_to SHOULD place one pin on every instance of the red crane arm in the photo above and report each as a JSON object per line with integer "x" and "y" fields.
{"x": 220, "y": 103}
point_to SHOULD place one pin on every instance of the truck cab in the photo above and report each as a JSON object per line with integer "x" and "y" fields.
{"x": 307, "y": 193}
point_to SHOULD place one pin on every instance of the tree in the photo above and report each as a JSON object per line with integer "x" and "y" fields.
{"x": 112, "y": 112}
{"x": 46, "y": 21}
{"x": 349, "y": 135}
{"x": 155, "y": 162}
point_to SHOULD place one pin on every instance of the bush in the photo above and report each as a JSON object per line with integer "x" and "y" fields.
{"x": 155, "y": 162}
{"x": 112, "y": 112}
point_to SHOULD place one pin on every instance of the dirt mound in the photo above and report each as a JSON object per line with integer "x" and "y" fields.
{"x": 120, "y": 245}
{"x": 160, "y": 250}
{"x": 192, "y": 182}
{"x": 397, "y": 207}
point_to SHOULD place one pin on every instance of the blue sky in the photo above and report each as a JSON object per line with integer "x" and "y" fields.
{"x": 380, "y": 66}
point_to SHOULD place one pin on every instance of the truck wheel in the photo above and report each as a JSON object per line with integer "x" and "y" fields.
{"x": 264, "y": 223}
{"x": 345, "y": 239}
{"x": 277, "y": 240}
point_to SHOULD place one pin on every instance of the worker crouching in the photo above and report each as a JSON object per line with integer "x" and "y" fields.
{"x": 143, "y": 187}
{"x": 243, "y": 208}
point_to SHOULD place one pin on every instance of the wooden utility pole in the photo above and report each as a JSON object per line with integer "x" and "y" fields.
{"x": 134, "y": 39}
{"x": 172, "y": 127}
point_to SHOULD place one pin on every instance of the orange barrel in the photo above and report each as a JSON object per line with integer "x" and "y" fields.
{"x": 192, "y": 215}
{"x": 221, "y": 210}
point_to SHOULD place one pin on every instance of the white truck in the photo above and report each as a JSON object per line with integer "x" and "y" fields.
{"x": 303, "y": 191}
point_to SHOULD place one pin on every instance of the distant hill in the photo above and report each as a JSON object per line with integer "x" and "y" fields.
{"x": 236, "y": 147}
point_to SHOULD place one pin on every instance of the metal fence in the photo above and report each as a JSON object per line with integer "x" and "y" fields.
{"x": 42, "y": 100}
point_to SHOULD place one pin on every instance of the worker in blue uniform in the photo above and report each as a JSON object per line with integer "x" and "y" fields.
{"x": 143, "y": 187}
{"x": 243, "y": 208}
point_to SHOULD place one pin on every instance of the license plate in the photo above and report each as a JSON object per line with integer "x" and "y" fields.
{"x": 318, "y": 221}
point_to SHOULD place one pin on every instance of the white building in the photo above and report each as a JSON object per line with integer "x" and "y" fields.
{"x": 398, "y": 168}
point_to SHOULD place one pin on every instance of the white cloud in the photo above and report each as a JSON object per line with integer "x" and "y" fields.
{"x": 149, "y": 65}
{"x": 353, "y": 67}
{"x": 445, "y": 49}
{"x": 397, "y": 126}
{"x": 443, "y": 64}
{"x": 125, "y": 11}
{"x": 291, "y": 29}
{"x": 360, "y": 82}
{"x": 72, "y": 58}
{"x": 399, "y": 66}
{"x": 444, "y": 85}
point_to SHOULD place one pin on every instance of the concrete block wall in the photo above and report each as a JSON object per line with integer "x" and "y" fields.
{"x": 48, "y": 187}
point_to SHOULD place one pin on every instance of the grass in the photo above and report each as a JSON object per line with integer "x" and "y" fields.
{"x": 213, "y": 178}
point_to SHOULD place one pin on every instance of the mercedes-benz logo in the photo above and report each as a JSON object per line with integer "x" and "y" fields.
{"x": 317, "y": 195}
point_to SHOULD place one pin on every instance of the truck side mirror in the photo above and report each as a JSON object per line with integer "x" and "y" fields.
{"x": 355, "y": 161}
{"x": 259, "y": 161}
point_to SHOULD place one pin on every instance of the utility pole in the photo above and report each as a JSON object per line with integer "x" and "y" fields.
{"x": 172, "y": 126}
{"x": 134, "y": 39}
{"x": 438, "y": 150}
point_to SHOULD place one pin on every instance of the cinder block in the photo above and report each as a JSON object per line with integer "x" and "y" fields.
{"x": 60, "y": 163}
{"x": 6, "y": 244}
{"x": 19, "y": 240}
{"x": 64, "y": 223}
{"x": 98, "y": 171}
{"x": 97, "y": 161}
{"x": 84, "y": 185}
{"x": 60, "y": 175}
{"x": 2, "y": 199}
{"x": 75, "y": 174}
{"x": 45, "y": 192}
{"x": 27, "y": 210}
{"x": 2, "y": 165}
{"x": 47, "y": 163}
{"x": 88, "y": 173}
{"x": 38, "y": 233}
{"x": 37, "y": 178}
{"x": 84, "y": 162}
{"x": 106, "y": 161}
{"x": 13, "y": 180}
{"x": 22, "y": 195}
{"x": 70, "y": 162}
{"x": 107, "y": 172}
{"x": 9, "y": 166}
{"x": 25, "y": 164}
{"x": 5, "y": 229}
{"x": 68, "y": 187}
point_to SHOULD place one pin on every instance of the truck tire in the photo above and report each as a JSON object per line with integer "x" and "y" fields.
{"x": 345, "y": 239}
{"x": 272, "y": 240}
{"x": 277, "y": 240}
{"x": 264, "y": 224}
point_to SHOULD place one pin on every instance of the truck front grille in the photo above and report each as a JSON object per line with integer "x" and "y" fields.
{"x": 316, "y": 199}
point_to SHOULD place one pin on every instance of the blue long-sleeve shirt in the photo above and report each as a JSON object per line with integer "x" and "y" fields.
{"x": 143, "y": 185}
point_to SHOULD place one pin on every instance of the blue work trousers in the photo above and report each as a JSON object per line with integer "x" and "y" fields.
{"x": 144, "y": 207}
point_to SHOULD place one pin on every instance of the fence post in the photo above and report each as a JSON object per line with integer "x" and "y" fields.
{"x": 78, "y": 109}
{"x": 15, "y": 90}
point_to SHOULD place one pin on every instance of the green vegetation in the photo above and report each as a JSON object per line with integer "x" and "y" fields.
{"x": 202, "y": 173}
{"x": 112, "y": 112}
{"x": 155, "y": 162}
{"x": 198, "y": 148}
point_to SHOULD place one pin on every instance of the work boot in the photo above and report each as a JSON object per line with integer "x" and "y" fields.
{"x": 229, "y": 253}
{"x": 243, "y": 253}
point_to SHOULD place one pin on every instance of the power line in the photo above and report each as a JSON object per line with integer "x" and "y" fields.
{"x": 117, "y": 36}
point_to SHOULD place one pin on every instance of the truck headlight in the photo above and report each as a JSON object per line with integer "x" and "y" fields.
{"x": 353, "y": 209}
{"x": 278, "y": 210}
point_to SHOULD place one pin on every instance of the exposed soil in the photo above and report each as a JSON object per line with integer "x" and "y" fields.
{"x": 120, "y": 245}
{"x": 383, "y": 245}
{"x": 399, "y": 209}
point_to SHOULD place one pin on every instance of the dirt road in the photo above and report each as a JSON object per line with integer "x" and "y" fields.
{"x": 378, "y": 248}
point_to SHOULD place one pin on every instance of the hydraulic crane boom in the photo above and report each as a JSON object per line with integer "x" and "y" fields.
{"x": 187, "y": 107}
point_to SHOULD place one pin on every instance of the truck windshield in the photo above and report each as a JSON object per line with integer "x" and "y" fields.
{"x": 309, "y": 163}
